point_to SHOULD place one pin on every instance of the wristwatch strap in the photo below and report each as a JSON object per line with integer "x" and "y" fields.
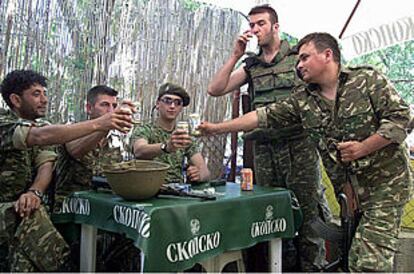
{"x": 164, "y": 148}
{"x": 36, "y": 192}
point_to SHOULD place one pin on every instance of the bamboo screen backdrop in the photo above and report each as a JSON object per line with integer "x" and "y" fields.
{"x": 131, "y": 45}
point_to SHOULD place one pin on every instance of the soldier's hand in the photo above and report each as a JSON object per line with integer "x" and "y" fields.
{"x": 207, "y": 128}
{"x": 179, "y": 139}
{"x": 240, "y": 44}
{"x": 27, "y": 203}
{"x": 193, "y": 173}
{"x": 352, "y": 150}
{"x": 120, "y": 120}
{"x": 127, "y": 104}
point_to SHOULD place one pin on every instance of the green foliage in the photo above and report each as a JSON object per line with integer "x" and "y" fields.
{"x": 291, "y": 40}
{"x": 191, "y": 5}
{"x": 397, "y": 63}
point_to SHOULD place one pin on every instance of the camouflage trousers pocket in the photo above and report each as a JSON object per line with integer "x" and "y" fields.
{"x": 37, "y": 240}
{"x": 7, "y": 222}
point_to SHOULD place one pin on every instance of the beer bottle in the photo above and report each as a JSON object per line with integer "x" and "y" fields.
{"x": 184, "y": 170}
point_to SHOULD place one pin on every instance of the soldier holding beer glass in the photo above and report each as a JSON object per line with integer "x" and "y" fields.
{"x": 169, "y": 141}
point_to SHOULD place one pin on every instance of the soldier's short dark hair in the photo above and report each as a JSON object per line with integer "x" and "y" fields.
{"x": 99, "y": 90}
{"x": 322, "y": 41}
{"x": 265, "y": 9}
{"x": 18, "y": 81}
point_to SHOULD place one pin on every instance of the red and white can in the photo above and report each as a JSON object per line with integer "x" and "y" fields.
{"x": 247, "y": 179}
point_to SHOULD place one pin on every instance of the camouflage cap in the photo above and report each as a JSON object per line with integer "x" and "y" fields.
{"x": 170, "y": 88}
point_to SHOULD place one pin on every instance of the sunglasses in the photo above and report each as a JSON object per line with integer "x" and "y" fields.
{"x": 169, "y": 101}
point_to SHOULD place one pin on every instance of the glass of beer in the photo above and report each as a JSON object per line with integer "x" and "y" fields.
{"x": 136, "y": 117}
{"x": 194, "y": 121}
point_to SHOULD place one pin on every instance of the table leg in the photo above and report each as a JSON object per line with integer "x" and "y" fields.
{"x": 88, "y": 248}
{"x": 275, "y": 254}
{"x": 142, "y": 261}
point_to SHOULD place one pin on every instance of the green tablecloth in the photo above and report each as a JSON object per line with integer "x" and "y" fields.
{"x": 176, "y": 232}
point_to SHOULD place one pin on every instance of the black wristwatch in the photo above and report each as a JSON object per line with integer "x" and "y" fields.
{"x": 164, "y": 147}
{"x": 36, "y": 192}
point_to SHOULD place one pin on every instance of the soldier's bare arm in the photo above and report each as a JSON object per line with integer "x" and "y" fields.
{"x": 145, "y": 151}
{"x": 60, "y": 134}
{"x": 79, "y": 147}
{"x": 226, "y": 80}
{"x": 198, "y": 170}
{"x": 179, "y": 140}
{"x": 29, "y": 202}
{"x": 246, "y": 122}
{"x": 223, "y": 83}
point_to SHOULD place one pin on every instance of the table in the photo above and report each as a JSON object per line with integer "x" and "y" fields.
{"x": 174, "y": 233}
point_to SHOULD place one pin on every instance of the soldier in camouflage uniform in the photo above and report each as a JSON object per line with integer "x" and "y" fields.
{"x": 26, "y": 170}
{"x": 358, "y": 122}
{"x": 160, "y": 140}
{"x": 81, "y": 159}
{"x": 281, "y": 158}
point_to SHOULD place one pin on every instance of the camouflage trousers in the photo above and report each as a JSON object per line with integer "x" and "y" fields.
{"x": 34, "y": 243}
{"x": 296, "y": 166}
{"x": 376, "y": 240}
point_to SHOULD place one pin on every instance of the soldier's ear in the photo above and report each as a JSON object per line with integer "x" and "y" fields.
{"x": 328, "y": 53}
{"x": 15, "y": 100}
{"x": 88, "y": 108}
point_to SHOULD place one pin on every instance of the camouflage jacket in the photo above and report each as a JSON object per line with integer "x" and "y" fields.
{"x": 18, "y": 163}
{"x": 271, "y": 82}
{"x": 155, "y": 134}
{"x": 76, "y": 174}
{"x": 365, "y": 104}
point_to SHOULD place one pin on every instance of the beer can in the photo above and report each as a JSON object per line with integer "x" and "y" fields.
{"x": 194, "y": 121}
{"x": 247, "y": 179}
{"x": 183, "y": 125}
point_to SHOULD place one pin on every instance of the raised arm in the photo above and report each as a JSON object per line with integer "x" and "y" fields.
{"x": 144, "y": 150}
{"x": 226, "y": 80}
{"x": 246, "y": 122}
{"x": 60, "y": 134}
{"x": 79, "y": 147}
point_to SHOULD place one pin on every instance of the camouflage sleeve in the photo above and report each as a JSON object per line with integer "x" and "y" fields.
{"x": 13, "y": 132}
{"x": 139, "y": 132}
{"x": 193, "y": 149}
{"x": 392, "y": 112}
{"x": 44, "y": 156}
{"x": 20, "y": 136}
{"x": 278, "y": 115}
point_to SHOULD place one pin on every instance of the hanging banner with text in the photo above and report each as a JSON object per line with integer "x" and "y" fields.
{"x": 378, "y": 38}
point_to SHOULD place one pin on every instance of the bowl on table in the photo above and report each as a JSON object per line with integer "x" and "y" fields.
{"x": 136, "y": 179}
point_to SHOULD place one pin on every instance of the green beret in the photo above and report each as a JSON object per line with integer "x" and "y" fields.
{"x": 170, "y": 88}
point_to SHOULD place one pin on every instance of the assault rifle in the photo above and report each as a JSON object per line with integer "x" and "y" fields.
{"x": 177, "y": 190}
{"x": 342, "y": 235}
